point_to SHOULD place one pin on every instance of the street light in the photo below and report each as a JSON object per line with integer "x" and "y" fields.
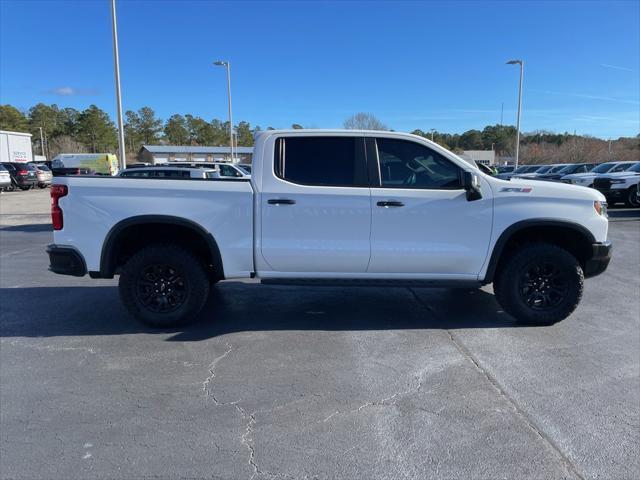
{"x": 116, "y": 67}
{"x": 521, "y": 63}
{"x": 224, "y": 63}
{"x": 432, "y": 131}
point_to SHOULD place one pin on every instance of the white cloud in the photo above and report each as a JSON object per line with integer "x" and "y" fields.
{"x": 67, "y": 91}
{"x": 616, "y": 67}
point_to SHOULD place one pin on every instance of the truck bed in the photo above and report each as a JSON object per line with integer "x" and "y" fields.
{"x": 95, "y": 205}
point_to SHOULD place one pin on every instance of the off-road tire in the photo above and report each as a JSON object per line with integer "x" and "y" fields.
{"x": 163, "y": 286}
{"x": 523, "y": 293}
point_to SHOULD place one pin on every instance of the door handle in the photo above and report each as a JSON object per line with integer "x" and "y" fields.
{"x": 280, "y": 201}
{"x": 390, "y": 203}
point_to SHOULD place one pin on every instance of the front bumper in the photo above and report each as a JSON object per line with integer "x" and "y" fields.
{"x": 66, "y": 261}
{"x": 600, "y": 259}
{"x": 614, "y": 193}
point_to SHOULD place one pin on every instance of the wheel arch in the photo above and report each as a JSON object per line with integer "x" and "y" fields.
{"x": 123, "y": 240}
{"x": 571, "y": 236}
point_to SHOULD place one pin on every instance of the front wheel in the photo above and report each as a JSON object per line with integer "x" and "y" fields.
{"x": 539, "y": 284}
{"x": 163, "y": 286}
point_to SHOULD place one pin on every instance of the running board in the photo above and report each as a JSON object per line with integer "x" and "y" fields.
{"x": 363, "y": 282}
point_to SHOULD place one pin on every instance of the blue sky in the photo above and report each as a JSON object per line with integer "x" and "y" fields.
{"x": 412, "y": 64}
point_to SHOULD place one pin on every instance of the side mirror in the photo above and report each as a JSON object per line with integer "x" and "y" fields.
{"x": 471, "y": 183}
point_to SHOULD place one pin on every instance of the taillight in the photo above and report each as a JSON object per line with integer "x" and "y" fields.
{"x": 57, "y": 192}
{"x": 23, "y": 172}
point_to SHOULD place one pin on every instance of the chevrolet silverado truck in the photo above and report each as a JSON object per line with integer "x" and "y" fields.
{"x": 333, "y": 207}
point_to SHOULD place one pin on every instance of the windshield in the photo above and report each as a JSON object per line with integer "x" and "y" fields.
{"x": 604, "y": 167}
{"x": 522, "y": 169}
{"x": 557, "y": 168}
{"x": 544, "y": 169}
{"x": 572, "y": 168}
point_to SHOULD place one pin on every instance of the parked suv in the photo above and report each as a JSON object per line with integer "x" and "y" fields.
{"x": 620, "y": 186}
{"x": 586, "y": 179}
{"x": 22, "y": 176}
{"x": 43, "y": 173}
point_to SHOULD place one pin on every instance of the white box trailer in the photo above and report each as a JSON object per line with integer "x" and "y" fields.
{"x": 15, "y": 147}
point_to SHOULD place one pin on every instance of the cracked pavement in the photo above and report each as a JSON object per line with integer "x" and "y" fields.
{"x": 303, "y": 383}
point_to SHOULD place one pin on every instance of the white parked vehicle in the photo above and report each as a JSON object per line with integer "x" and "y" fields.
{"x": 334, "y": 207}
{"x": 225, "y": 170}
{"x": 5, "y": 178}
{"x": 169, "y": 172}
{"x": 586, "y": 179}
{"x": 620, "y": 186}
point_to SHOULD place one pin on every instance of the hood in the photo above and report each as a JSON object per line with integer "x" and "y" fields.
{"x": 622, "y": 175}
{"x": 521, "y": 186}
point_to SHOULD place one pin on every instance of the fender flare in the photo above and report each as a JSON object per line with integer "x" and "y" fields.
{"x": 108, "y": 257}
{"x": 510, "y": 231}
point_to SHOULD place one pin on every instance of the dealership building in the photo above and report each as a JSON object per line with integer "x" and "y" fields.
{"x": 155, "y": 154}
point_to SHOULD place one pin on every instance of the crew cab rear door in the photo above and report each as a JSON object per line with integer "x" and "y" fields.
{"x": 422, "y": 223}
{"x": 315, "y": 207}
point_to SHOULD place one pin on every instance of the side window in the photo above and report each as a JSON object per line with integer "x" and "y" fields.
{"x": 228, "y": 171}
{"x": 405, "y": 164}
{"x": 321, "y": 161}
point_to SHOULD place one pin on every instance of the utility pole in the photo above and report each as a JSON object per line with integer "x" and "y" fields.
{"x": 42, "y": 143}
{"x": 116, "y": 65}
{"x": 501, "y": 113}
{"x": 432, "y": 130}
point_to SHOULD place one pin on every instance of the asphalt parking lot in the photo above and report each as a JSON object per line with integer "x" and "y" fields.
{"x": 290, "y": 382}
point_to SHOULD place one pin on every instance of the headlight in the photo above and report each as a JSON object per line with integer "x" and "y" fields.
{"x": 600, "y": 208}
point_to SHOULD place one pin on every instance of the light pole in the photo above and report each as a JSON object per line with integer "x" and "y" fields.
{"x": 432, "y": 130}
{"x": 224, "y": 63}
{"x": 521, "y": 63}
{"x": 116, "y": 61}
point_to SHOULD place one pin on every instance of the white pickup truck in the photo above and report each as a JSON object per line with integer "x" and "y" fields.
{"x": 333, "y": 207}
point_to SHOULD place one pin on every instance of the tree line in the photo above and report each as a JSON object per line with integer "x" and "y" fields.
{"x": 67, "y": 130}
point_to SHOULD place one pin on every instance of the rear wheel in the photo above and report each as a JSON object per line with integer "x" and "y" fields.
{"x": 632, "y": 197}
{"x": 163, "y": 286}
{"x": 539, "y": 284}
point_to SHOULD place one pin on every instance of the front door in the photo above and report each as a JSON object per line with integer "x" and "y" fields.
{"x": 422, "y": 223}
{"x": 315, "y": 207}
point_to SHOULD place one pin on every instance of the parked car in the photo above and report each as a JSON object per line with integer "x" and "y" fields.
{"x": 43, "y": 174}
{"x": 586, "y": 179}
{"x": 505, "y": 168}
{"x": 169, "y": 172}
{"x": 225, "y": 170}
{"x": 557, "y": 174}
{"x": 5, "y": 179}
{"x": 620, "y": 186}
{"x": 246, "y": 167}
{"x": 544, "y": 169}
{"x": 341, "y": 207}
{"x": 22, "y": 176}
{"x": 518, "y": 171}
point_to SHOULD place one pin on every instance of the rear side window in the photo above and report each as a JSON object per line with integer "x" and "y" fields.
{"x": 229, "y": 171}
{"x": 405, "y": 164}
{"x": 321, "y": 161}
